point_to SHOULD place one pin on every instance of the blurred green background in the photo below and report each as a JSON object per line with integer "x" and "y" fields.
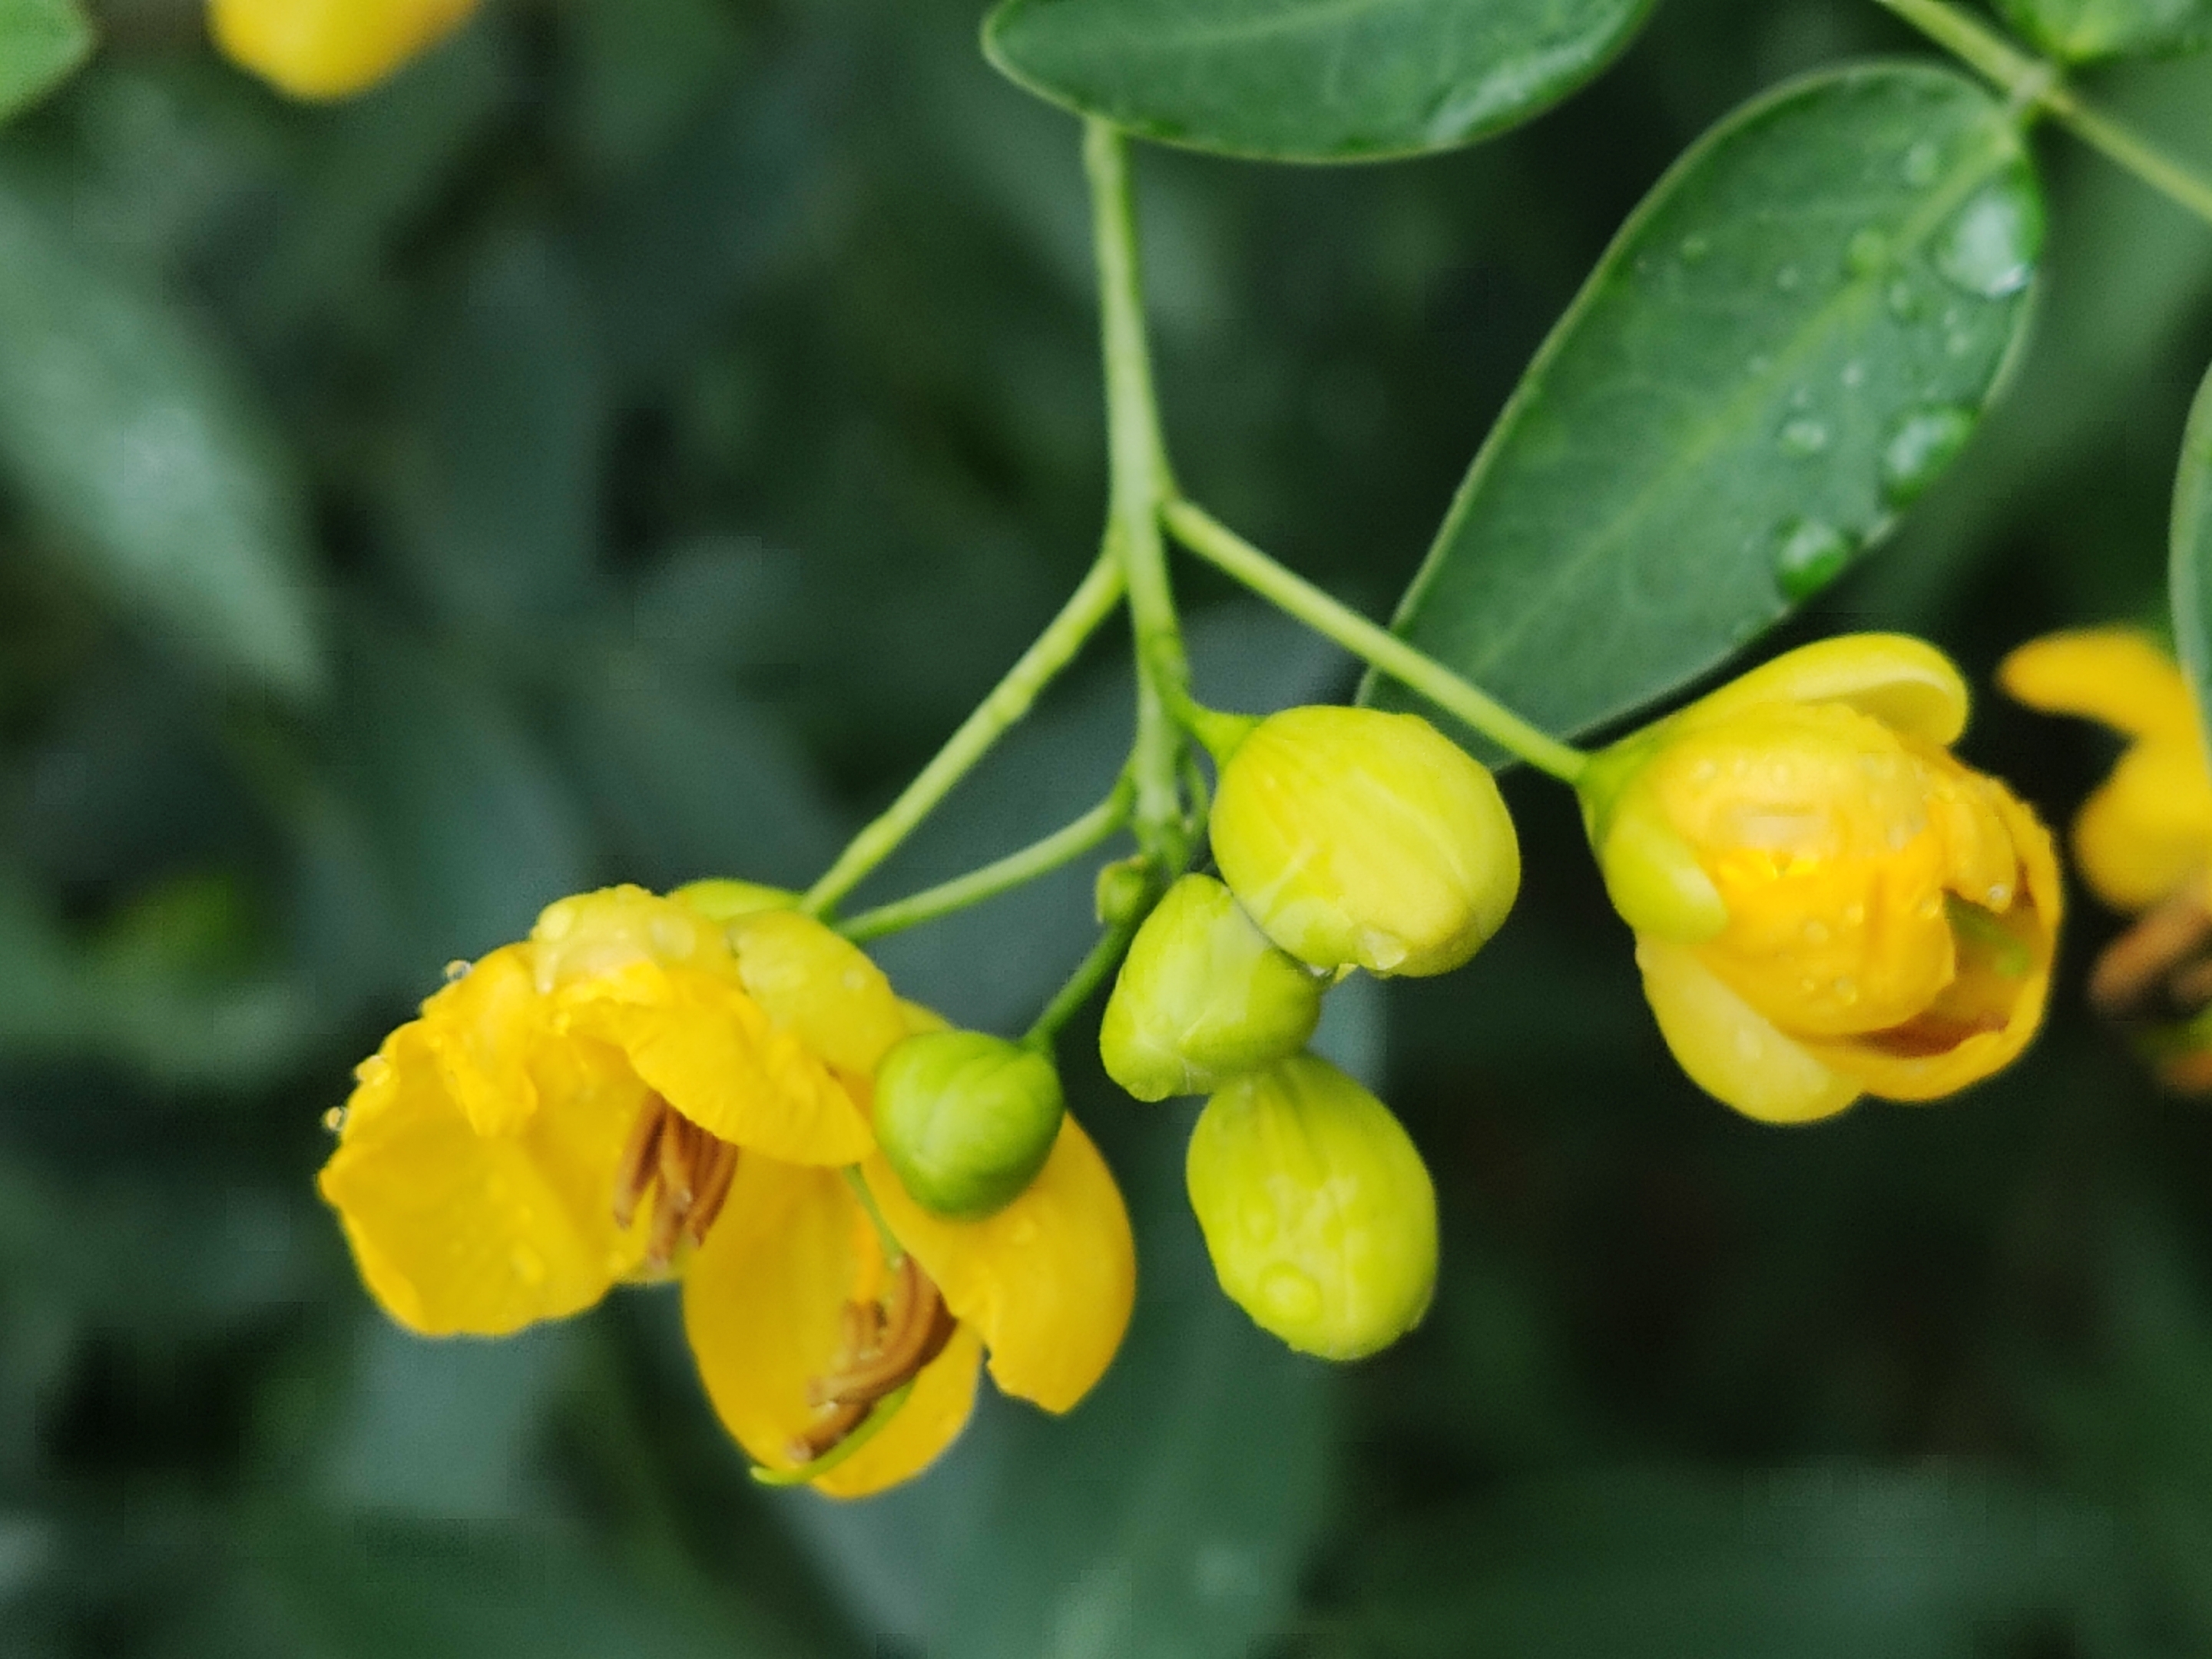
{"x": 620, "y": 449}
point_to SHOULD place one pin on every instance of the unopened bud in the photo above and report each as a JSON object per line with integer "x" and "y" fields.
{"x": 1121, "y": 890}
{"x": 1317, "y": 1210}
{"x": 966, "y": 1118}
{"x": 1357, "y": 838}
{"x": 1202, "y": 996}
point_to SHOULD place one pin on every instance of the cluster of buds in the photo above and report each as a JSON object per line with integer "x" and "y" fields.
{"x": 1347, "y": 840}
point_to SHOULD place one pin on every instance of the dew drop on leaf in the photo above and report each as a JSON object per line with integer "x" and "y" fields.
{"x": 1804, "y": 438}
{"x": 1922, "y": 163}
{"x": 1695, "y": 247}
{"x": 1991, "y": 245}
{"x": 1904, "y": 301}
{"x": 1922, "y": 444}
{"x": 1867, "y": 253}
{"x": 1809, "y": 556}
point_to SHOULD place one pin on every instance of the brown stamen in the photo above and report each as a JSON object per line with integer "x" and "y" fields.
{"x": 2163, "y": 952}
{"x": 691, "y": 1171}
{"x": 885, "y": 1347}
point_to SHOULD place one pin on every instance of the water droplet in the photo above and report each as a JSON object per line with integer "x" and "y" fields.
{"x": 1289, "y": 1294}
{"x": 1922, "y": 163}
{"x": 1922, "y": 444}
{"x": 1258, "y": 1219}
{"x": 1816, "y": 933}
{"x": 1854, "y": 375}
{"x": 1846, "y": 990}
{"x": 335, "y": 1120}
{"x": 1022, "y": 1233}
{"x": 1810, "y": 557}
{"x": 1803, "y": 438}
{"x": 2000, "y": 897}
{"x": 1758, "y": 364}
{"x": 456, "y": 970}
{"x": 1746, "y": 1044}
{"x": 1788, "y": 278}
{"x": 1990, "y": 245}
{"x": 1704, "y": 772}
{"x": 1801, "y": 397}
{"x": 1958, "y": 344}
{"x": 529, "y": 1265}
{"x": 1906, "y": 303}
{"x": 1695, "y": 247}
{"x": 1854, "y": 916}
{"x": 1929, "y": 908}
{"x": 1867, "y": 253}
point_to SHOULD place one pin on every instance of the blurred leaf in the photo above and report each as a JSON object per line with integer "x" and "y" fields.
{"x": 1826, "y": 1560}
{"x": 1308, "y": 80}
{"x": 1790, "y": 341}
{"x": 2078, "y": 30}
{"x": 127, "y": 432}
{"x": 40, "y": 42}
{"x": 503, "y": 493}
{"x": 2192, "y": 571}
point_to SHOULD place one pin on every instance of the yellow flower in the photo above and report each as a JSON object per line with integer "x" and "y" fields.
{"x": 1826, "y": 902}
{"x": 2148, "y": 829}
{"x": 641, "y": 1089}
{"x": 330, "y": 48}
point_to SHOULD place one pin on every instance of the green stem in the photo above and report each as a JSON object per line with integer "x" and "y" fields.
{"x": 1010, "y": 700}
{"x": 1238, "y": 558}
{"x": 1139, "y": 482}
{"x": 870, "y": 1426}
{"x": 1064, "y": 844}
{"x": 1087, "y": 977}
{"x": 2037, "y": 86}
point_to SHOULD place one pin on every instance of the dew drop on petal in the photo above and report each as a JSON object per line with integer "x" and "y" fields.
{"x": 456, "y": 970}
{"x": 1847, "y": 990}
{"x": 529, "y": 1265}
{"x": 1816, "y": 933}
{"x": 1289, "y": 1294}
{"x": 335, "y": 1120}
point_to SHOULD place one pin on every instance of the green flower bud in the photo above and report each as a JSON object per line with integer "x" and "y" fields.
{"x": 1357, "y": 838}
{"x": 1318, "y": 1212}
{"x": 1122, "y": 889}
{"x": 967, "y": 1120}
{"x": 1202, "y": 996}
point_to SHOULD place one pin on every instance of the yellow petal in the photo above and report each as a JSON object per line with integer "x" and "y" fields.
{"x": 764, "y": 1307}
{"x": 482, "y": 1028}
{"x": 330, "y": 48}
{"x": 819, "y": 986}
{"x": 1730, "y": 1050}
{"x": 2148, "y": 828}
{"x": 1047, "y": 1282}
{"x": 458, "y": 1232}
{"x": 698, "y": 1039}
{"x": 2114, "y": 675}
{"x": 1905, "y": 683}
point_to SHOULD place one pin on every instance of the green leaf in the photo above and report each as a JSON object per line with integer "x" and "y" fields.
{"x": 1790, "y": 340}
{"x": 128, "y": 435}
{"x": 41, "y": 41}
{"x": 1308, "y": 80}
{"x": 2192, "y": 549}
{"x": 2080, "y": 31}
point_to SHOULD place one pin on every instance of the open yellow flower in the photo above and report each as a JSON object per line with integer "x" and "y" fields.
{"x": 1826, "y": 902}
{"x": 643, "y": 1090}
{"x": 2148, "y": 828}
{"x": 330, "y": 48}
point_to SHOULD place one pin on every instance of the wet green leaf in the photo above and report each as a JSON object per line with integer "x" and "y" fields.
{"x": 1791, "y": 340}
{"x": 1308, "y": 80}
{"x": 2192, "y": 569}
{"x": 131, "y": 438}
{"x": 2080, "y": 31}
{"x": 41, "y": 41}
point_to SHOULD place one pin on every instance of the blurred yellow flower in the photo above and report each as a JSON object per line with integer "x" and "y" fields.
{"x": 330, "y": 48}
{"x": 1826, "y": 902}
{"x": 642, "y": 1089}
{"x": 2148, "y": 829}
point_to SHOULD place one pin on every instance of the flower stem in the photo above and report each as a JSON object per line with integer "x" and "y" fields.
{"x": 1064, "y": 845}
{"x": 2037, "y": 86}
{"x": 1238, "y": 558}
{"x": 870, "y": 1426}
{"x": 1010, "y": 700}
{"x": 1139, "y": 482}
{"x": 1088, "y": 976}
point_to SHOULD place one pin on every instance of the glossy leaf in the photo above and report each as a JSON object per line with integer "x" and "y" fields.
{"x": 41, "y": 41}
{"x": 126, "y": 433}
{"x": 1791, "y": 340}
{"x": 2192, "y": 569}
{"x": 1308, "y": 80}
{"x": 2080, "y": 31}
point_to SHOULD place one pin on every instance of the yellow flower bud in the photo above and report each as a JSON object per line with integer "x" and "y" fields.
{"x": 1202, "y": 996}
{"x": 1360, "y": 839}
{"x": 1826, "y": 902}
{"x": 724, "y": 900}
{"x": 330, "y": 48}
{"x": 1317, "y": 1210}
{"x": 966, "y": 1120}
